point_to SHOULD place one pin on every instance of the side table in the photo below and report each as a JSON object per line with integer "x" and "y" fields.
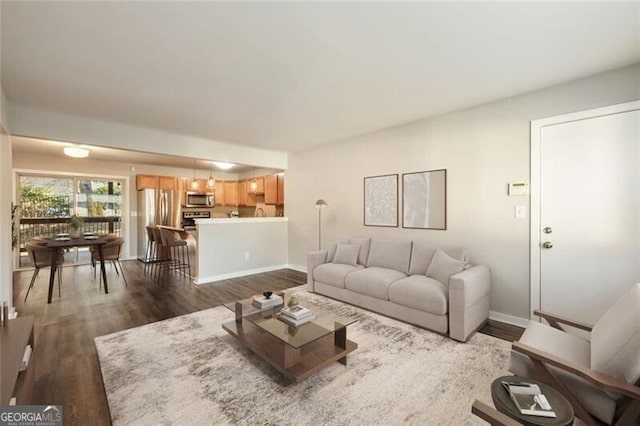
{"x": 504, "y": 404}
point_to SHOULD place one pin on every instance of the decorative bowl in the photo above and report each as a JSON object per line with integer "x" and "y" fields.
{"x": 267, "y": 294}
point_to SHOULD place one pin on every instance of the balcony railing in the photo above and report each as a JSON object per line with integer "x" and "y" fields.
{"x": 50, "y": 226}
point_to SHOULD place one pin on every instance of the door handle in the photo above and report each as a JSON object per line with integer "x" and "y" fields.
{"x": 547, "y": 230}
{"x": 547, "y": 244}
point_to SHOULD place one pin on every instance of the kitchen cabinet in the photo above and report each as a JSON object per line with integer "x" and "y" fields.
{"x": 219, "y": 191}
{"x": 258, "y": 188}
{"x": 242, "y": 193}
{"x": 231, "y": 193}
{"x": 251, "y": 199}
{"x": 274, "y": 189}
{"x": 147, "y": 182}
{"x": 156, "y": 182}
{"x": 271, "y": 189}
{"x": 280, "y": 201}
{"x": 167, "y": 182}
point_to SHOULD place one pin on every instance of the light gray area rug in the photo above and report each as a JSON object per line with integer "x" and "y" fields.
{"x": 188, "y": 371}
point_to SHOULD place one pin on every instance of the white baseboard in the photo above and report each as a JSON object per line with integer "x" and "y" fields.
{"x": 509, "y": 319}
{"x": 297, "y": 268}
{"x": 214, "y": 278}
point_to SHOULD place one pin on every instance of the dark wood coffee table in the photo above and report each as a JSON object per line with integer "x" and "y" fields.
{"x": 296, "y": 352}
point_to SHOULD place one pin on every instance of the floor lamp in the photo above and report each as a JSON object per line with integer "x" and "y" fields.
{"x": 320, "y": 205}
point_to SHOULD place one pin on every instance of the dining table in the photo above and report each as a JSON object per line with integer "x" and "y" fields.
{"x": 58, "y": 244}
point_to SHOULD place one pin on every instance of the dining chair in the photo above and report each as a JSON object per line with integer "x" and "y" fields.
{"x": 110, "y": 252}
{"x": 40, "y": 257}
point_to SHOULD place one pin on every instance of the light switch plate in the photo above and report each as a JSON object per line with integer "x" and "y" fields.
{"x": 520, "y": 212}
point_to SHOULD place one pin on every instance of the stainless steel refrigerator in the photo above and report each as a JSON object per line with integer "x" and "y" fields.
{"x": 156, "y": 207}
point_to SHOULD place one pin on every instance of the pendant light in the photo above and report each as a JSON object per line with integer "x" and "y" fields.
{"x": 253, "y": 185}
{"x": 211, "y": 182}
{"x": 194, "y": 182}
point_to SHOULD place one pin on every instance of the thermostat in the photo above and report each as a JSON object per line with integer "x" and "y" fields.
{"x": 518, "y": 188}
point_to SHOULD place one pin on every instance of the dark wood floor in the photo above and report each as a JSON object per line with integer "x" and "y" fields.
{"x": 67, "y": 370}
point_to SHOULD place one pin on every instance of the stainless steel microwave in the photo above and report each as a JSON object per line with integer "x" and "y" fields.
{"x": 199, "y": 199}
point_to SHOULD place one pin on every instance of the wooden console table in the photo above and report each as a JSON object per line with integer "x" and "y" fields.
{"x": 14, "y": 338}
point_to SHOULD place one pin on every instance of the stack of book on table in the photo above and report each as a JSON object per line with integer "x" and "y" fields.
{"x": 296, "y": 317}
{"x": 529, "y": 399}
{"x": 263, "y": 303}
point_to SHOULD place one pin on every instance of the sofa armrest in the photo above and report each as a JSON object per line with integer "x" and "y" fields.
{"x": 314, "y": 259}
{"x": 469, "y": 293}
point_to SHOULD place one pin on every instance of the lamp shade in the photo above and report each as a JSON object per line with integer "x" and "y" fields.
{"x": 321, "y": 204}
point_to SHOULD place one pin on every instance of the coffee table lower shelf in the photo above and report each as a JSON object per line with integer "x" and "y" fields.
{"x": 295, "y": 364}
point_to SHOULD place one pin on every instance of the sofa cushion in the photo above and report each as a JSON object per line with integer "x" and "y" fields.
{"x": 365, "y": 245}
{"x": 420, "y": 292}
{"x": 615, "y": 339}
{"x": 333, "y": 274}
{"x": 422, "y": 255}
{"x": 390, "y": 254}
{"x": 331, "y": 250}
{"x": 372, "y": 281}
{"x": 443, "y": 266}
{"x": 346, "y": 254}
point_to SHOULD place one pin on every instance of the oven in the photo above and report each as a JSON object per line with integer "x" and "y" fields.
{"x": 189, "y": 219}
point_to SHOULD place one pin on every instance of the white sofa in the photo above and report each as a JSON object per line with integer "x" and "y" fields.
{"x": 431, "y": 287}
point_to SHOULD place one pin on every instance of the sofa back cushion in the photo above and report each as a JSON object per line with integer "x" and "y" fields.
{"x": 615, "y": 339}
{"x": 422, "y": 254}
{"x": 365, "y": 245}
{"x": 390, "y": 254}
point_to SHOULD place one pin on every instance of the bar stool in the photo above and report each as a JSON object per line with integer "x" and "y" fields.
{"x": 178, "y": 251}
{"x": 162, "y": 256}
{"x": 150, "y": 252}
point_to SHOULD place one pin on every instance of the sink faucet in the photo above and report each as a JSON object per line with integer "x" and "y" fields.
{"x": 260, "y": 211}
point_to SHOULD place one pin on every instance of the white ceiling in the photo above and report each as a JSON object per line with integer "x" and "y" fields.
{"x": 292, "y": 75}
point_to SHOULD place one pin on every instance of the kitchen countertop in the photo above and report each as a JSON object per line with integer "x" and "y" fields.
{"x": 216, "y": 221}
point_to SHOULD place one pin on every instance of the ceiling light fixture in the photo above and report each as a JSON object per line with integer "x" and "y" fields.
{"x": 194, "y": 182}
{"x": 222, "y": 165}
{"x": 76, "y": 152}
{"x": 211, "y": 182}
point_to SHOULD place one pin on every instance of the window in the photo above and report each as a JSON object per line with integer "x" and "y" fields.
{"x": 47, "y": 203}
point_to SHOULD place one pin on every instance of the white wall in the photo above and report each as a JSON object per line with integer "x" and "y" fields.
{"x": 483, "y": 148}
{"x": 230, "y": 248}
{"x": 5, "y": 195}
{"x": 67, "y": 128}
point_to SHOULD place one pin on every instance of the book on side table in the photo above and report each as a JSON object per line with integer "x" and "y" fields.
{"x": 528, "y": 399}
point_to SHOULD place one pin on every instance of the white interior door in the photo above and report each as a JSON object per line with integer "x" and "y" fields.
{"x": 589, "y": 222}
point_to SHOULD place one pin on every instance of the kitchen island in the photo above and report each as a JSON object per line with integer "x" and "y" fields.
{"x": 234, "y": 247}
